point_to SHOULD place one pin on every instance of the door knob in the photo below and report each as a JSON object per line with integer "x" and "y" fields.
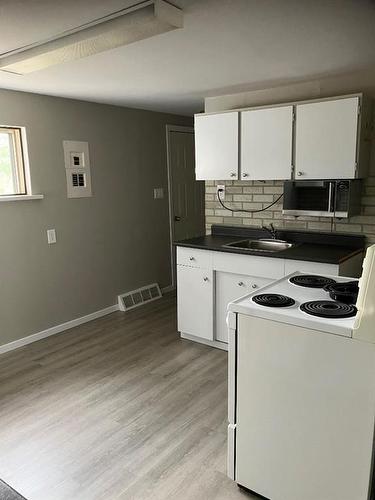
{"x": 254, "y": 285}
{"x": 205, "y": 279}
{"x": 245, "y": 175}
{"x": 299, "y": 173}
{"x": 233, "y": 174}
{"x": 241, "y": 283}
{"x": 177, "y": 218}
{"x": 191, "y": 258}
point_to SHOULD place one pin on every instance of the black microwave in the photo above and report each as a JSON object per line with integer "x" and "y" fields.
{"x": 331, "y": 198}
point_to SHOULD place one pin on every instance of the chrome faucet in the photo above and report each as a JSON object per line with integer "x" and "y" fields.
{"x": 271, "y": 230}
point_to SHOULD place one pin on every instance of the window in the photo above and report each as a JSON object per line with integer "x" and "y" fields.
{"x": 12, "y": 169}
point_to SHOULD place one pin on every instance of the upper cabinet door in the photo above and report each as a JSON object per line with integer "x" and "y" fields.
{"x": 216, "y": 146}
{"x": 266, "y": 143}
{"x": 326, "y": 139}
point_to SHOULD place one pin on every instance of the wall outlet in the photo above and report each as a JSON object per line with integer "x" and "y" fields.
{"x": 51, "y": 236}
{"x": 220, "y": 191}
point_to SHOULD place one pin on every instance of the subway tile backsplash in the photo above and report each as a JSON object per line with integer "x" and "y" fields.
{"x": 253, "y": 195}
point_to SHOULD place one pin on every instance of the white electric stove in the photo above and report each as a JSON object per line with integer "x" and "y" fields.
{"x": 298, "y": 288}
{"x": 302, "y": 389}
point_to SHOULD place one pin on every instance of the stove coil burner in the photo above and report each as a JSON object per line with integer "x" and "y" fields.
{"x": 329, "y": 309}
{"x": 273, "y": 300}
{"x": 311, "y": 281}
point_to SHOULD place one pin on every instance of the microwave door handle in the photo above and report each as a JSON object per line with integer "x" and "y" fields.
{"x": 331, "y": 207}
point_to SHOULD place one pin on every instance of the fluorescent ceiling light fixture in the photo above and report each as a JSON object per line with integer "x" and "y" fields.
{"x": 143, "y": 20}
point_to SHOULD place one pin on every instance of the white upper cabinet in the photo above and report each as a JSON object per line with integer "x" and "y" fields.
{"x": 216, "y": 146}
{"x": 326, "y": 139}
{"x": 266, "y": 143}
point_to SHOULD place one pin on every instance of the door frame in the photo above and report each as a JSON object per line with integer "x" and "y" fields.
{"x": 168, "y": 130}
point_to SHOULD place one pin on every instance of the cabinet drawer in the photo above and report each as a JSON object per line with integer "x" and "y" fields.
{"x": 250, "y": 265}
{"x": 292, "y": 266}
{"x": 193, "y": 257}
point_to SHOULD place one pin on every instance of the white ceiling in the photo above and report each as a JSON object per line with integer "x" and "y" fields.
{"x": 224, "y": 44}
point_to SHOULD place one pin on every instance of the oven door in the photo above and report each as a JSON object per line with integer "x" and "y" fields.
{"x": 309, "y": 198}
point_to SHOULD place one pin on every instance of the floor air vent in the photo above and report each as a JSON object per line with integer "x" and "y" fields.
{"x": 139, "y": 297}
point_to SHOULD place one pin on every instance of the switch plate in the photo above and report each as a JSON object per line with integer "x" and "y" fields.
{"x": 222, "y": 193}
{"x": 51, "y": 236}
{"x": 158, "y": 193}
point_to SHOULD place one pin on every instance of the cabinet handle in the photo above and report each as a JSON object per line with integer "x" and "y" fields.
{"x": 233, "y": 174}
{"x": 241, "y": 283}
{"x": 254, "y": 285}
{"x": 191, "y": 258}
{"x": 205, "y": 278}
{"x": 299, "y": 173}
{"x": 245, "y": 175}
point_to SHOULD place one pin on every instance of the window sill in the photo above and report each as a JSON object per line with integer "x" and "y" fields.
{"x": 22, "y": 197}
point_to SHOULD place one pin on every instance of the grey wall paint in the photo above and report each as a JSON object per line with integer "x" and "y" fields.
{"x": 115, "y": 241}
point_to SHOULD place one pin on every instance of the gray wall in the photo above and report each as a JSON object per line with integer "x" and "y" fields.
{"x": 113, "y": 242}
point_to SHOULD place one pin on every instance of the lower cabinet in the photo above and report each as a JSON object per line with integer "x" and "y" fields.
{"x": 207, "y": 281}
{"x": 195, "y": 301}
{"x": 228, "y": 287}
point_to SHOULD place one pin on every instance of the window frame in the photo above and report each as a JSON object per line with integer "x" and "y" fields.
{"x": 18, "y": 160}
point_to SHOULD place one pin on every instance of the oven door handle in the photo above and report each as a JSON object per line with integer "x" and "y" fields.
{"x": 331, "y": 196}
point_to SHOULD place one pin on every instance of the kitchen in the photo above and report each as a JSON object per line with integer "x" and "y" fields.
{"x": 312, "y": 145}
{"x": 188, "y": 304}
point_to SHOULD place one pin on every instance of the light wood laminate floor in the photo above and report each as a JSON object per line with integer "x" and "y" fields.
{"x": 116, "y": 409}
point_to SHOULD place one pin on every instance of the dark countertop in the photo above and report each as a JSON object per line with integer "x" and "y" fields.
{"x": 337, "y": 247}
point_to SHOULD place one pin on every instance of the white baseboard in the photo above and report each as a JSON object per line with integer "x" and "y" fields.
{"x": 57, "y": 329}
{"x": 211, "y": 343}
{"x": 168, "y": 289}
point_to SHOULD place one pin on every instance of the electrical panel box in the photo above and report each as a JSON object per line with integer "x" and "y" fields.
{"x": 77, "y": 168}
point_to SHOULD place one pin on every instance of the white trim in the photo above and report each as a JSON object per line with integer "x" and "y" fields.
{"x": 26, "y": 162}
{"x": 168, "y": 129}
{"x": 21, "y": 197}
{"x": 168, "y": 289}
{"x": 281, "y": 104}
{"x": 57, "y": 329}
{"x": 211, "y": 343}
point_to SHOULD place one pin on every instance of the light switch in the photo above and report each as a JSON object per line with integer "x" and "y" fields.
{"x": 158, "y": 193}
{"x": 51, "y": 236}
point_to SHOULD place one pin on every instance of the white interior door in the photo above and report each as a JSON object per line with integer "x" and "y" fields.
{"x": 326, "y": 139}
{"x": 266, "y": 143}
{"x": 195, "y": 301}
{"x": 216, "y": 146}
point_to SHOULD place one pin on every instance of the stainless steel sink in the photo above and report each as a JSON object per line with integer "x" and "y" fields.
{"x": 261, "y": 245}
